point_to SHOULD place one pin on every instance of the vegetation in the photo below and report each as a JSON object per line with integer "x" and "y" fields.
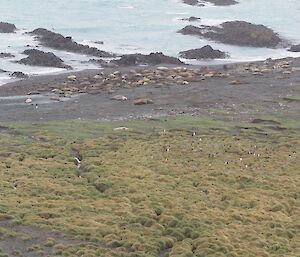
{"x": 179, "y": 187}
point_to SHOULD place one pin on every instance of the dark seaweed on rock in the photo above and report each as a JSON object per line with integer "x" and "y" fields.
{"x": 7, "y": 27}
{"x": 239, "y": 33}
{"x": 206, "y": 52}
{"x": 40, "y": 58}
{"x": 151, "y": 59}
{"x": 59, "y": 42}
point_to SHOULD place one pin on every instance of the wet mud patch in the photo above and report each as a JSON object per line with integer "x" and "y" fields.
{"x": 30, "y": 241}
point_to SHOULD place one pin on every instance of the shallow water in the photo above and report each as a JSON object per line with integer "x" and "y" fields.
{"x": 128, "y": 26}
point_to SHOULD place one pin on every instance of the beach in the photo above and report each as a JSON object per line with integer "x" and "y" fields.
{"x": 239, "y": 91}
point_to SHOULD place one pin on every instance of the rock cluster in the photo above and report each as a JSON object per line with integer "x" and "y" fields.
{"x": 40, "y": 58}
{"x": 59, "y": 42}
{"x": 295, "y": 48}
{"x": 7, "y": 27}
{"x": 206, "y": 52}
{"x": 19, "y": 75}
{"x": 151, "y": 59}
{"x": 239, "y": 33}
{"x": 6, "y": 55}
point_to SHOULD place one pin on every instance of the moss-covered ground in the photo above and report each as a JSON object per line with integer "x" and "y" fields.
{"x": 179, "y": 186}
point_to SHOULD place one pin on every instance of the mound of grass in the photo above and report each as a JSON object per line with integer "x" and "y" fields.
{"x": 169, "y": 187}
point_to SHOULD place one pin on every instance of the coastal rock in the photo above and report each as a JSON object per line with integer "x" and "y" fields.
{"x": 103, "y": 63}
{"x": 59, "y": 42}
{"x": 191, "y": 19}
{"x": 40, "y": 58}
{"x": 151, "y": 59}
{"x": 295, "y": 48}
{"x": 19, "y": 74}
{"x": 222, "y": 2}
{"x": 6, "y": 55}
{"x": 206, "y": 52}
{"x": 239, "y": 33}
{"x": 215, "y": 2}
{"x": 7, "y": 27}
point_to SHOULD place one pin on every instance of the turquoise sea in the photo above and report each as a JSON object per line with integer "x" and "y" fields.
{"x": 127, "y": 26}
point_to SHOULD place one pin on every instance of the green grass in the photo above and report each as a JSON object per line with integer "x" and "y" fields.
{"x": 155, "y": 189}
{"x": 292, "y": 98}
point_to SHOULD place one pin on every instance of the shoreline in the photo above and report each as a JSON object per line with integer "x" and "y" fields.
{"x": 243, "y": 91}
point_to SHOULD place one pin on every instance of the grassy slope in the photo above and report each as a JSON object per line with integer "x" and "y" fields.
{"x": 156, "y": 190}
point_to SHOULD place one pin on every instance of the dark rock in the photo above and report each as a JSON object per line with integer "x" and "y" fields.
{"x": 222, "y": 2}
{"x": 7, "y": 27}
{"x": 57, "y": 41}
{"x": 99, "y": 42}
{"x": 103, "y": 63}
{"x": 191, "y": 19}
{"x": 6, "y": 55}
{"x": 206, "y": 52}
{"x": 151, "y": 59}
{"x": 40, "y": 58}
{"x": 239, "y": 33}
{"x": 295, "y": 48}
{"x": 193, "y": 2}
{"x": 19, "y": 74}
{"x": 215, "y": 2}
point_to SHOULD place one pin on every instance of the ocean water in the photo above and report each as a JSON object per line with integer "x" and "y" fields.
{"x": 128, "y": 26}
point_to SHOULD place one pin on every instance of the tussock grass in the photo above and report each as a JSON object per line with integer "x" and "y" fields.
{"x": 156, "y": 189}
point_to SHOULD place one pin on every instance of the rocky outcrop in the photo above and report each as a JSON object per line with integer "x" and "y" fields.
{"x": 191, "y": 19}
{"x": 6, "y": 55}
{"x": 191, "y": 2}
{"x": 151, "y": 59}
{"x": 19, "y": 74}
{"x": 295, "y": 48}
{"x": 239, "y": 33}
{"x": 206, "y": 52}
{"x": 103, "y": 63}
{"x": 40, "y": 58}
{"x": 215, "y": 2}
{"x": 222, "y": 2}
{"x": 7, "y": 27}
{"x": 59, "y": 42}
